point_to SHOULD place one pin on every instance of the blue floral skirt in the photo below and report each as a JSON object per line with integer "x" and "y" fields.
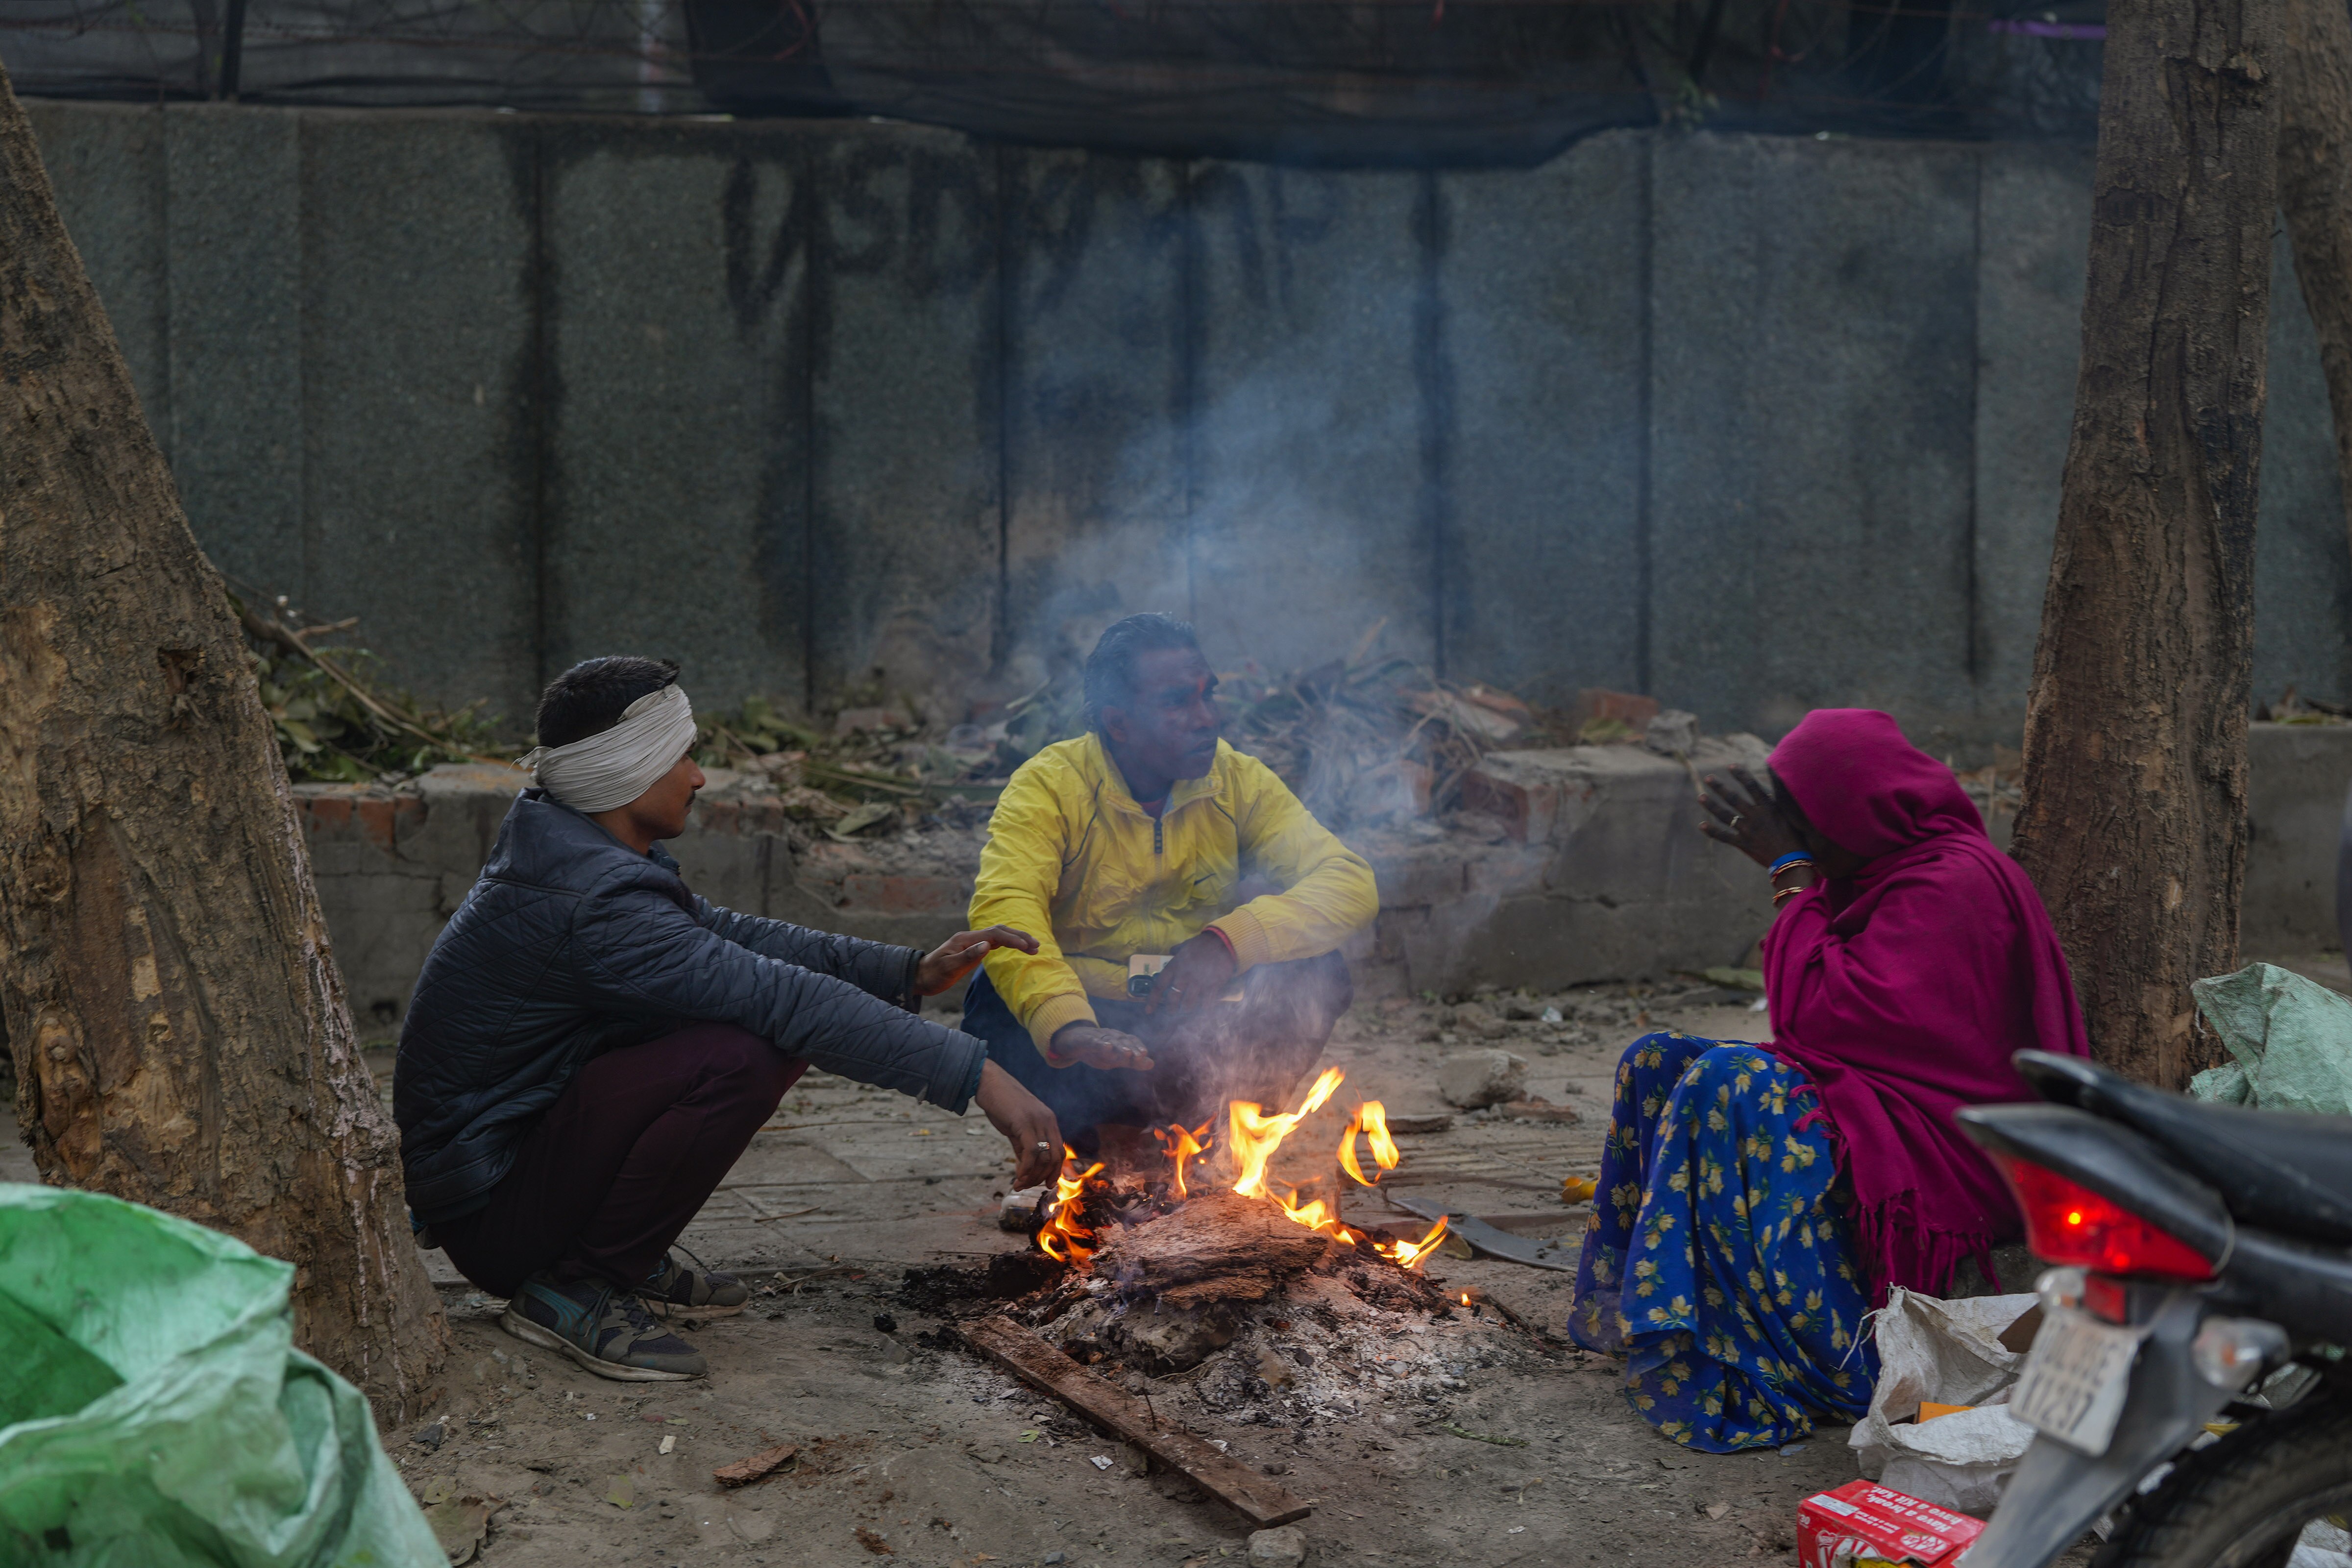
{"x": 1719, "y": 1261}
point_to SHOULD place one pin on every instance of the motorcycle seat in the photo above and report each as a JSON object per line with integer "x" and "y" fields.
{"x": 2278, "y": 1171}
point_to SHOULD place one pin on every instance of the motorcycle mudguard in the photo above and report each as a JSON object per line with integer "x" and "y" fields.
{"x": 2056, "y": 1494}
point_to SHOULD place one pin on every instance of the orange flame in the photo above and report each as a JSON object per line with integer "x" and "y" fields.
{"x": 1411, "y": 1254}
{"x": 1255, "y": 1135}
{"x": 1061, "y": 1222}
{"x": 1315, "y": 1216}
{"x": 1179, "y": 1146}
{"x": 1372, "y": 1118}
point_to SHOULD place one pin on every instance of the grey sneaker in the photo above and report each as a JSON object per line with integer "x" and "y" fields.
{"x": 606, "y": 1331}
{"x": 674, "y": 1290}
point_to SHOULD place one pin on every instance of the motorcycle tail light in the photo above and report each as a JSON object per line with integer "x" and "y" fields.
{"x": 2105, "y": 1298}
{"x": 2069, "y": 1224}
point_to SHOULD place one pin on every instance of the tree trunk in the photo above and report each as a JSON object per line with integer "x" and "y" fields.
{"x": 178, "y": 1025}
{"x": 2134, "y": 824}
{"x": 2315, "y": 158}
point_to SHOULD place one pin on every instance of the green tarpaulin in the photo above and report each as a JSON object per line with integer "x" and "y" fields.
{"x": 155, "y": 1414}
{"x": 2292, "y": 1039}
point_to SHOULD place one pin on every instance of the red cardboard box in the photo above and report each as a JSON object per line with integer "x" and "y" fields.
{"x": 1870, "y": 1524}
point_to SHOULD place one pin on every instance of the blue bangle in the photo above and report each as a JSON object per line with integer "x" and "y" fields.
{"x": 1793, "y": 857}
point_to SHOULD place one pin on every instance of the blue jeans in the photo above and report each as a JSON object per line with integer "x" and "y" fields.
{"x": 1257, "y": 1048}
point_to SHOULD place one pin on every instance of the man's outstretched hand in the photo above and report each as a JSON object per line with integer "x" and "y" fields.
{"x": 954, "y": 958}
{"x": 1026, "y": 1123}
{"x": 1100, "y": 1047}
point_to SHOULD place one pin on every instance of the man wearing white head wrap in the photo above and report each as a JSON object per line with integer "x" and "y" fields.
{"x": 591, "y": 1046}
{"x": 612, "y": 767}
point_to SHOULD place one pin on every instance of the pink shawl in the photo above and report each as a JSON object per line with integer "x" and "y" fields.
{"x": 1903, "y": 991}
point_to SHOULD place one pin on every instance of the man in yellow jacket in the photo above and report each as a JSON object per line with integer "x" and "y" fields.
{"x": 1152, "y": 838}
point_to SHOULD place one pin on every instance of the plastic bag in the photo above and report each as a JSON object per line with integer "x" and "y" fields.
{"x": 1950, "y": 1353}
{"x": 2292, "y": 1039}
{"x": 154, "y": 1413}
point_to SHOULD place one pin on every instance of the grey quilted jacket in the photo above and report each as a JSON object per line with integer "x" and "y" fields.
{"x": 572, "y": 943}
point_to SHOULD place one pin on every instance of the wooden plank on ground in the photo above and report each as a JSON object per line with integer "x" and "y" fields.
{"x": 1132, "y": 1420}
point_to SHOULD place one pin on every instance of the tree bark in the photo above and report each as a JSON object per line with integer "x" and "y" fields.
{"x": 2133, "y": 823}
{"x": 2315, "y": 158}
{"x": 178, "y": 1025}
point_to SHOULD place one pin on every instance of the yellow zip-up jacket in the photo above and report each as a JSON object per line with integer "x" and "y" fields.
{"x": 1072, "y": 860}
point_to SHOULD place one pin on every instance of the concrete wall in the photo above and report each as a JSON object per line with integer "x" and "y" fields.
{"x": 1753, "y": 423}
{"x": 2296, "y": 779}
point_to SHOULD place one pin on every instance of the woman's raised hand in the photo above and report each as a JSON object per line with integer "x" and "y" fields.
{"x": 1746, "y": 818}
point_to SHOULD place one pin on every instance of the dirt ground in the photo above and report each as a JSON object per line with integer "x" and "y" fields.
{"x": 1507, "y": 1452}
{"x": 931, "y": 1456}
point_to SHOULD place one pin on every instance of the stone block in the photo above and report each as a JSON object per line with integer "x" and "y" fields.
{"x": 1283, "y": 1548}
{"x": 1502, "y": 869}
{"x": 1638, "y": 839}
{"x": 1554, "y": 796}
{"x": 730, "y": 869}
{"x": 1551, "y": 941}
{"x": 1474, "y": 1079}
{"x": 1479, "y": 1024}
{"x": 1423, "y": 874}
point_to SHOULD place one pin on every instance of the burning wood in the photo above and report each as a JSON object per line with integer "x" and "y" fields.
{"x": 1220, "y": 1247}
{"x": 1069, "y": 1237}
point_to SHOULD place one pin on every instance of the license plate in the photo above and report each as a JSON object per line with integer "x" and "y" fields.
{"x": 2075, "y": 1379}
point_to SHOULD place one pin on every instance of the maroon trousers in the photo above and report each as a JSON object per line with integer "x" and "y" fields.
{"x": 630, "y": 1152}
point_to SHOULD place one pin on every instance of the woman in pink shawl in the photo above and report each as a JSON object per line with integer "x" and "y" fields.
{"x": 1757, "y": 1200}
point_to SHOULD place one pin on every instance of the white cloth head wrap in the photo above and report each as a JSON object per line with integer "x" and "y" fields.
{"x": 614, "y": 766}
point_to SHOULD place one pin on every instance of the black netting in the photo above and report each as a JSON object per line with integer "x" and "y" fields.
{"x": 1368, "y": 81}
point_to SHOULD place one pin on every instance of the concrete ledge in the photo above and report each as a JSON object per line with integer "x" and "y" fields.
{"x": 1581, "y": 864}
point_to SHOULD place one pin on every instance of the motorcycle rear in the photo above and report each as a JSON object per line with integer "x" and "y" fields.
{"x": 2188, "y": 1383}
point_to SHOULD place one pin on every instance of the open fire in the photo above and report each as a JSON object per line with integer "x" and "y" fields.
{"x": 1252, "y": 1138}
